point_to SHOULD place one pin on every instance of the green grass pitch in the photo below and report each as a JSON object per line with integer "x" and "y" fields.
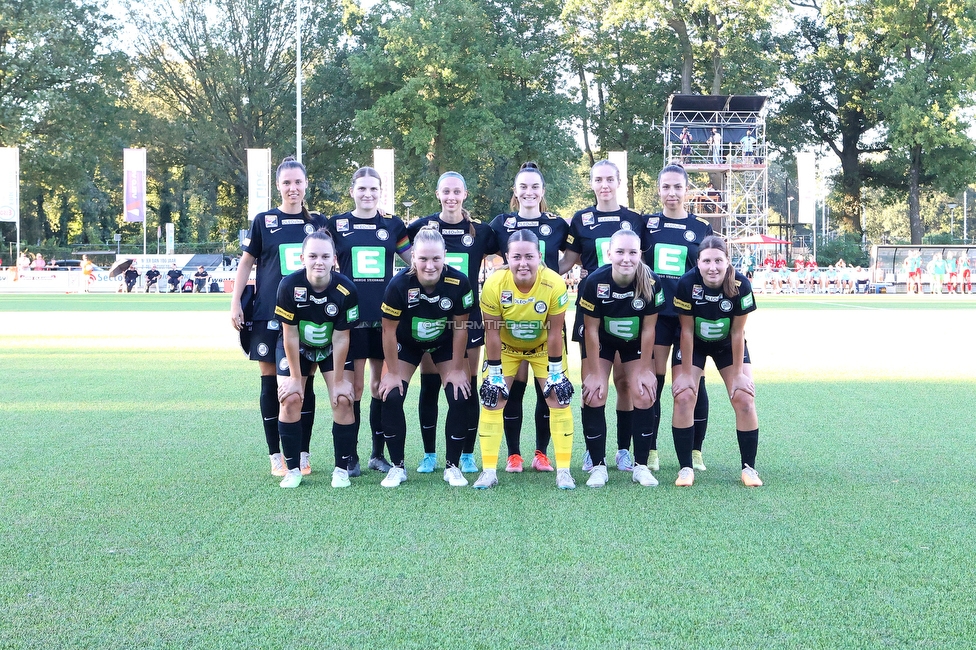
{"x": 139, "y": 511}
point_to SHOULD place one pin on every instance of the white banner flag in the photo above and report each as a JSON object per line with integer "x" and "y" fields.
{"x": 134, "y": 184}
{"x": 258, "y": 182}
{"x": 806, "y": 181}
{"x": 619, "y": 158}
{"x": 383, "y": 163}
{"x": 10, "y": 184}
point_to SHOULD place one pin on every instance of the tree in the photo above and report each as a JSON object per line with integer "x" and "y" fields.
{"x": 932, "y": 61}
{"x": 226, "y": 70}
{"x": 464, "y": 86}
{"x": 58, "y": 78}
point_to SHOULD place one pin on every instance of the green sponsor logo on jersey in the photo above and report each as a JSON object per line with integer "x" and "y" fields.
{"x": 352, "y": 314}
{"x": 603, "y": 250}
{"x": 427, "y": 329}
{"x": 542, "y": 249}
{"x": 623, "y": 328}
{"x": 316, "y": 335}
{"x": 563, "y": 299}
{"x": 368, "y": 262}
{"x": 747, "y": 301}
{"x": 527, "y": 330}
{"x": 468, "y": 299}
{"x": 290, "y": 258}
{"x": 659, "y": 298}
{"x": 713, "y": 330}
{"x": 670, "y": 259}
{"x": 457, "y": 261}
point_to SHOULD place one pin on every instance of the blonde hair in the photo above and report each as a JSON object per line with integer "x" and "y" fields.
{"x": 644, "y": 285}
{"x": 426, "y": 235}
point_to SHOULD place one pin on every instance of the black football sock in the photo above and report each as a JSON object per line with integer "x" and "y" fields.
{"x": 308, "y": 413}
{"x": 430, "y": 389}
{"x": 701, "y": 416}
{"x": 269, "y": 412}
{"x": 595, "y": 432}
{"x": 543, "y": 432}
{"x": 748, "y": 446}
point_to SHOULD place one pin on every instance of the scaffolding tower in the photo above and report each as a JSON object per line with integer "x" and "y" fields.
{"x": 736, "y": 196}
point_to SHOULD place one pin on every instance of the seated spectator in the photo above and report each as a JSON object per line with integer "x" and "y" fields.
{"x": 131, "y": 277}
{"x": 173, "y": 277}
{"x": 152, "y": 279}
{"x": 200, "y": 280}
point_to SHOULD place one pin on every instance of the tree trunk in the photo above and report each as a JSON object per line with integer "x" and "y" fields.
{"x": 850, "y": 205}
{"x": 687, "y": 55}
{"x": 585, "y": 95}
{"x": 717, "y": 76}
{"x": 914, "y": 195}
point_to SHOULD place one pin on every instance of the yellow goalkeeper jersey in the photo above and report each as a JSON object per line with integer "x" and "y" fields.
{"x": 524, "y": 314}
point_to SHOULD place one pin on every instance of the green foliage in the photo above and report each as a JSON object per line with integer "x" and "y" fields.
{"x": 847, "y": 247}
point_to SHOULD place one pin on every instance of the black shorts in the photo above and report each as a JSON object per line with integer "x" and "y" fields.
{"x": 309, "y": 358}
{"x": 721, "y": 353}
{"x": 412, "y": 352}
{"x": 628, "y": 350}
{"x": 476, "y": 329}
{"x": 366, "y": 343}
{"x": 667, "y": 331}
{"x": 264, "y": 340}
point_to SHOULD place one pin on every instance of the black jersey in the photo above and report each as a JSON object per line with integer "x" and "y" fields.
{"x": 590, "y": 232}
{"x": 275, "y": 242}
{"x": 552, "y": 231}
{"x": 672, "y": 250}
{"x": 713, "y": 311}
{"x": 365, "y": 249}
{"x": 621, "y": 314}
{"x": 467, "y": 244}
{"x": 152, "y": 275}
{"x": 317, "y": 314}
{"x": 423, "y": 315}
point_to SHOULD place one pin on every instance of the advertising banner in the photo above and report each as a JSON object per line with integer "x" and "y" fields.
{"x": 134, "y": 184}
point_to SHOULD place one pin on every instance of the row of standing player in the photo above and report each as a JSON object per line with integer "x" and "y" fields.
{"x": 366, "y": 242}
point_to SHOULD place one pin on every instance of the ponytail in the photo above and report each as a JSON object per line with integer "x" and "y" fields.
{"x": 529, "y": 166}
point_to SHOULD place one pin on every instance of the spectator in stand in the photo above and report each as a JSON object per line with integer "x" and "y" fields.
{"x": 23, "y": 263}
{"x": 131, "y": 277}
{"x": 748, "y": 143}
{"x": 173, "y": 277}
{"x": 799, "y": 274}
{"x": 862, "y": 277}
{"x": 715, "y": 146}
{"x": 938, "y": 271}
{"x": 200, "y": 280}
{"x": 152, "y": 279}
{"x": 965, "y": 274}
{"x": 828, "y": 280}
{"x": 39, "y": 263}
{"x": 813, "y": 275}
{"x": 845, "y": 284}
{"x": 951, "y": 272}
{"x": 685, "y": 139}
{"x": 746, "y": 264}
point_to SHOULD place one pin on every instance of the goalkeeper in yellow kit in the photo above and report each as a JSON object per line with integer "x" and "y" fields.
{"x": 524, "y": 306}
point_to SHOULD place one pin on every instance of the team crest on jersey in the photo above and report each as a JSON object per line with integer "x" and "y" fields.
{"x": 510, "y": 222}
{"x": 545, "y": 231}
{"x": 274, "y": 325}
{"x": 270, "y": 221}
{"x": 602, "y": 290}
{"x": 653, "y": 223}
{"x": 301, "y": 294}
{"x": 638, "y": 304}
{"x": 263, "y": 350}
{"x": 446, "y": 304}
{"x": 506, "y": 298}
{"x": 541, "y": 307}
{"x": 725, "y": 305}
{"x": 467, "y": 240}
{"x": 283, "y": 364}
{"x": 331, "y": 309}
{"x": 587, "y": 218}
{"x": 690, "y": 235}
{"x": 413, "y": 296}
{"x": 382, "y": 235}
{"x": 697, "y": 292}
{"x": 309, "y": 229}
{"x": 625, "y": 225}
{"x": 342, "y": 225}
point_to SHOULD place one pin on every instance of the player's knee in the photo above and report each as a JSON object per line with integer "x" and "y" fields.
{"x": 743, "y": 403}
{"x": 684, "y": 402}
{"x": 291, "y": 407}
